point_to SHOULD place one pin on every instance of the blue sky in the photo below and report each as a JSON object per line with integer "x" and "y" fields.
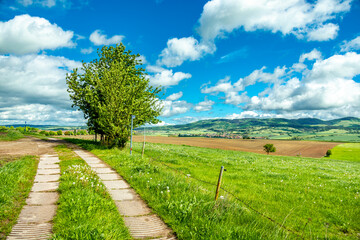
{"x": 215, "y": 59}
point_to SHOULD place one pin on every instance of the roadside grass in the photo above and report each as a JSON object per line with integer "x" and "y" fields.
{"x": 85, "y": 209}
{"x": 346, "y": 151}
{"x": 316, "y": 198}
{"x": 16, "y": 180}
{"x": 10, "y": 135}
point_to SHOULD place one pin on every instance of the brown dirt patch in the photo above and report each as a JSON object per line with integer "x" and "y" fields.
{"x": 283, "y": 147}
{"x": 26, "y": 146}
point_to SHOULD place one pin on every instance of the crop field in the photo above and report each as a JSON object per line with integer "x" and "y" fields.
{"x": 283, "y": 147}
{"x": 269, "y": 197}
{"x": 346, "y": 151}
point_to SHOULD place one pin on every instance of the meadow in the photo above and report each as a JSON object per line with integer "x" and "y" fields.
{"x": 16, "y": 179}
{"x": 262, "y": 197}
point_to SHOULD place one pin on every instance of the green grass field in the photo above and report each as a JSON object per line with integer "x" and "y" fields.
{"x": 10, "y": 135}
{"x": 16, "y": 179}
{"x": 86, "y": 210}
{"x": 346, "y": 151}
{"x": 312, "y": 198}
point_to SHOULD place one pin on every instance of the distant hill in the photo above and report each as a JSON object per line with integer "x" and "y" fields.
{"x": 220, "y": 125}
{"x": 343, "y": 129}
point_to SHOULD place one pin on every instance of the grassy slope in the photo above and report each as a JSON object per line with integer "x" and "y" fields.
{"x": 10, "y": 135}
{"x": 16, "y": 179}
{"x": 288, "y": 189}
{"x": 86, "y": 210}
{"x": 346, "y": 151}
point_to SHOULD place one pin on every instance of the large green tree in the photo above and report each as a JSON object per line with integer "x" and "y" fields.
{"x": 112, "y": 88}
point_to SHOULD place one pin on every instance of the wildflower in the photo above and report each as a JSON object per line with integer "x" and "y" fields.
{"x": 168, "y": 190}
{"x": 281, "y": 180}
{"x": 167, "y": 187}
{"x": 222, "y": 197}
{"x": 188, "y": 175}
{"x": 161, "y": 192}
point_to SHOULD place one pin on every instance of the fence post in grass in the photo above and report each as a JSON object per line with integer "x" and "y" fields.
{"x": 219, "y": 183}
{"x": 132, "y": 118}
{"x": 143, "y": 149}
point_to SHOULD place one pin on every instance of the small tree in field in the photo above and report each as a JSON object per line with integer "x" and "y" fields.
{"x": 109, "y": 90}
{"x": 328, "y": 153}
{"x": 268, "y": 148}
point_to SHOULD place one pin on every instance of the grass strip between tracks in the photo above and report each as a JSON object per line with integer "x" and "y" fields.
{"x": 86, "y": 210}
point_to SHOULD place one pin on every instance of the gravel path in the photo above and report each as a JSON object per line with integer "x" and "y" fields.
{"x": 138, "y": 217}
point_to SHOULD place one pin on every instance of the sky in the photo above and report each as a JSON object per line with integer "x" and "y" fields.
{"x": 213, "y": 59}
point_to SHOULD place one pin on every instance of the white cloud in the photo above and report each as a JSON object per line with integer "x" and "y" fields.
{"x": 171, "y": 108}
{"x": 41, "y": 114}
{"x": 323, "y": 33}
{"x": 232, "y": 91}
{"x": 87, "y": 50}
{"x": 205, "y": 105}
{"x": 97, "y": 38}
{"x": 313, "y": 55}
{"x": 329, "y": 85}
{"x": 244, "y": 114}
{"x": 43, "y": 3}
{"x": 351, "y": 45}
{"x": 296, "y": 17}
{"x": 183, "y": 49}
{"x": 25, "y": 34}
{"x": 35, "y": 83}
{"x": 175, "y": 96}
{"x": 164, "y": 77}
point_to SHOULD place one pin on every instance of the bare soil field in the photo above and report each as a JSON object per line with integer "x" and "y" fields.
{"x": 26, "y": 146}
{"x": 283, "y": 147}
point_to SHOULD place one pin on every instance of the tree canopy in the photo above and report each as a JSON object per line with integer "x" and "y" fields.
{"x": 112, "y": 88}
{"x": 268, "y": 148}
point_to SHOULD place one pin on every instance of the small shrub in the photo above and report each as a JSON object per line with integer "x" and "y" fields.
{"x": 59, "y": 133}
{"x": 43, "y": 132}
{"x": 328, "y": 153}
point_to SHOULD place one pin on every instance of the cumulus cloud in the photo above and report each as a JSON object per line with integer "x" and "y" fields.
{"x": 35, "y": 83}
{"x": 183, "y": 49}
{"x": 87, "y": 50}
{"x": 323, "y": 33}
{"x": 351, "y": 45}
{"x": 313, "y": 55}
{"x": 25, "y": 34}
{"x": 172, "y": 108}
{"x": 232, "y": 90}
{"x": 298, "y": 17}
{"x": 43, "y": 3}
{"x": 328, "y": 85}
{"x": 98, "y": 38}
{"x": 175, "y": 96}
{"x": 203, "y": 106}
{"x": 41, "y": 114}
{"x": 164, "y": 77}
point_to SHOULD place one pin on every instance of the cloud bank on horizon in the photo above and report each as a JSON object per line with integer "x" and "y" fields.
{"x": 234, "y": 59}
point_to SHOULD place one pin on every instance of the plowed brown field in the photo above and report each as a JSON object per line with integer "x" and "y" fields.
{"x": 283, "y": 147}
